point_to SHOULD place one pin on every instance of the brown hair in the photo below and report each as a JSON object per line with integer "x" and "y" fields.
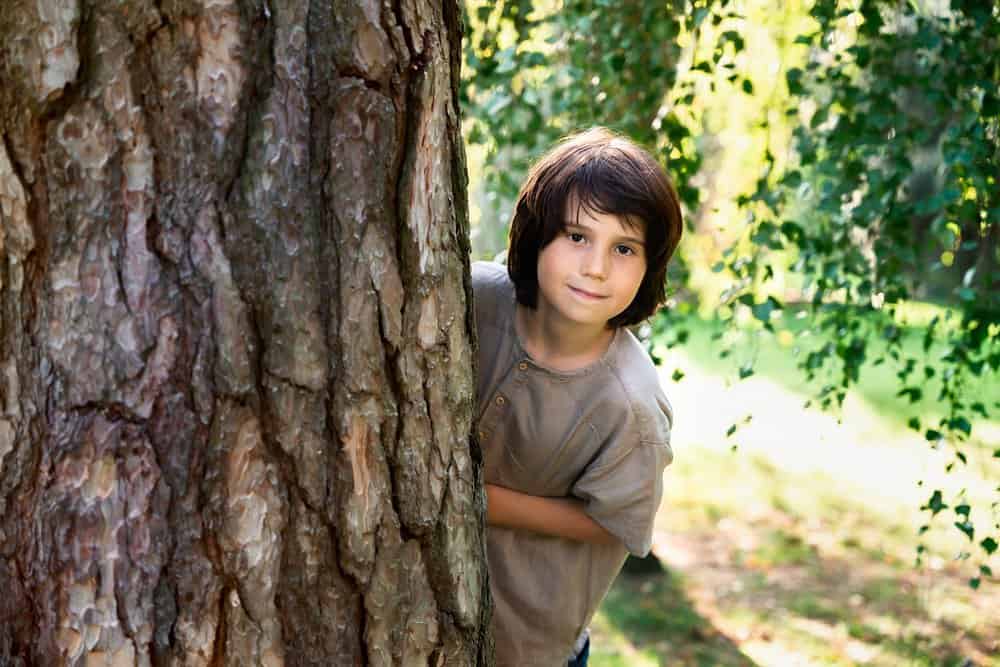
{"x": 605, "y": 173}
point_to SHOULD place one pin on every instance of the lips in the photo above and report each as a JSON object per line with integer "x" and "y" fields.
{"x": 587, "y": 294}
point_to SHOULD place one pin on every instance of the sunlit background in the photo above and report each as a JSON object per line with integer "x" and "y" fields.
{"x": 831, "y": 346}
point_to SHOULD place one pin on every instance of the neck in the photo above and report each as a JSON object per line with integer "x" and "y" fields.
{"x": 560, "y": 345}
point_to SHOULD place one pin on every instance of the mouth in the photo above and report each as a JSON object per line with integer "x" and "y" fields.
{"x": 584, "y": 294}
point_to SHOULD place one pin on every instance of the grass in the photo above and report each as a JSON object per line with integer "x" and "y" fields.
{"x": 797, "y": 547}
{"x": 783, "y": 548}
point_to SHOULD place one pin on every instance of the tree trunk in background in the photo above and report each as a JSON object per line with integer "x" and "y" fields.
{"x": 235, "y": 364}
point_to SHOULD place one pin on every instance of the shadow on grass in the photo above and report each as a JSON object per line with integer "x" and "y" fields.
{"x": 818, "y": 608}
{"x": 795, "y": 562}
{"x": 815, "y": 610}
{"x": 887, "y": 609}
{"x": 649, "y": 609}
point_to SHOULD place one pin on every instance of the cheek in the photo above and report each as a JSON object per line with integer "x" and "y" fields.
{"x": 548, "y": 267}
{"x": 635, "y": 291}
{"x": 635, "y": 282}
{"x": 636, "y": 273}
{"x": 552, "y": 258}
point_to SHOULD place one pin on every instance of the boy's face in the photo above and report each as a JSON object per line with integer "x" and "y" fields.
{"x": 592, "y": 270}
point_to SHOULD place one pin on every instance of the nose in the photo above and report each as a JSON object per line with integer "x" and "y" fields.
{"x": 595, "y": 264}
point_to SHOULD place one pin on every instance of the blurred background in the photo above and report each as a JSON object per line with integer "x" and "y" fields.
{"x": 831, "y": 345}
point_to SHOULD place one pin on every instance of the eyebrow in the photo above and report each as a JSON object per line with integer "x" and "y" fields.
{"x": 627, "y": 239}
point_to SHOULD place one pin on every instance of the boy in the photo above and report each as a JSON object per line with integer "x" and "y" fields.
{"x": 574, "y": 426}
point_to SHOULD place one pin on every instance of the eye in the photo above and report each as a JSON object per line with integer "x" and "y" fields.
{"x": 575, "y": 237}
{"x": 624, "y": 250}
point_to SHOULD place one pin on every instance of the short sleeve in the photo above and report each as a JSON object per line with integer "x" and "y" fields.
{"x": 623, "y": 487}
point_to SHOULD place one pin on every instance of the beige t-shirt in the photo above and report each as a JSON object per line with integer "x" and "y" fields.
{"x": 600, "y": 434}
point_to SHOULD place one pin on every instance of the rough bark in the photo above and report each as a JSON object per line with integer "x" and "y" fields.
{"x": 235, "y": 359}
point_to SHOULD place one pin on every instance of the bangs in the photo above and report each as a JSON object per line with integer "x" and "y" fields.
{"x": 611, "y": 181}
{"x": 608, "y": 179}
{"x": 598, "y": 194}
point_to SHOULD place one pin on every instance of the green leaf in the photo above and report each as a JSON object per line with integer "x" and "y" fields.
{"x": 963, "y": 510}
{"x": 746, "y": 370}
{"x": 966, "y": 528}
{"x": 819, "y": 117}
{"x": 476, "y": 135}
{"x": 731, "y": 430}
{"x": 794, "y": 79}
{"x": 792, "y": 180}
{"x": 932, "y": 436}
{"x": 862, "y": 55}
{"x": 914, "y": 423}
{"x": 935, "y": 504}
{"x": 616, "y": 62}
{"x": 989, "y": 545}
{"x": 991, "y": 104}
{"x": 792, "y": 231}
{"x": 961, "y": 424}
{"x": 763, "y": 311}
{"x": 534, "y": 59}
{"x": 677, "y": 375}
{"x": 747, "y": 87}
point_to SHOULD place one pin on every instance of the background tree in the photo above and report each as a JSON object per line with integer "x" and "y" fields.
{"x": 235, "y": 345}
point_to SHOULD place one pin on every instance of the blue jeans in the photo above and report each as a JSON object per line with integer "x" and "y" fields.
{"x": 581, "y": 660}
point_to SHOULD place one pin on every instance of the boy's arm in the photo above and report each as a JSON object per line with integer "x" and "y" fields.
{"x": 558, "y": 517}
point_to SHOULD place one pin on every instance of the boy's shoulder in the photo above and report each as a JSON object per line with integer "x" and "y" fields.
{"x": 491, "y": 286}
{"x": 489, "y": 273}
{"x": 640, "y": 386}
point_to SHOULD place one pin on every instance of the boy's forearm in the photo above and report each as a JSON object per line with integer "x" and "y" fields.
{"x": 558, "y": 517}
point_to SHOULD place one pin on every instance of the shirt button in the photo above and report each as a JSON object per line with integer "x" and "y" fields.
{"x": 523, "y": 366}
{"x": 500, "y": 400}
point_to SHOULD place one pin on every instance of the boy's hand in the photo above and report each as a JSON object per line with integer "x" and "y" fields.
{"x": 558, "y": 517}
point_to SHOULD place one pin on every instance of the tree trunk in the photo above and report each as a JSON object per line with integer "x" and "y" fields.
{"x": 235, "y": 357}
